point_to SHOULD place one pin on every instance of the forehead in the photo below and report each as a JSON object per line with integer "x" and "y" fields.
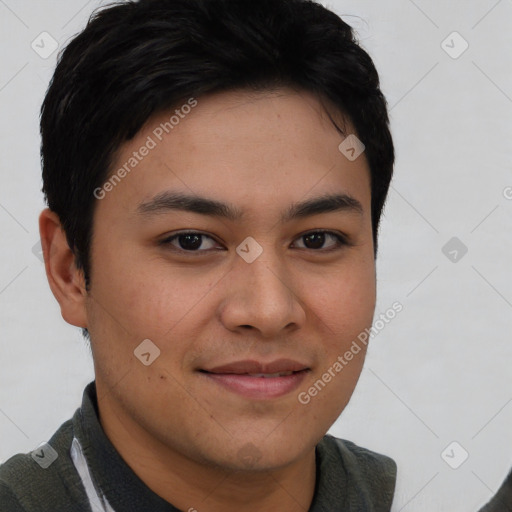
{"x": 278, "y": 146}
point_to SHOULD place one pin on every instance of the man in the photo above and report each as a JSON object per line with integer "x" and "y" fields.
{"x": 215, "y": 172}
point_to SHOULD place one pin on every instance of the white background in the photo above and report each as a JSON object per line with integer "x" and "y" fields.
{"x": 440, "y": 371}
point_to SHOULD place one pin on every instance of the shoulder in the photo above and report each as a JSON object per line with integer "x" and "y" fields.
{"x": 370, "y": 477}
{"x": 361, "y": 459}
{"x": 27, "y": 477}
{"x": 17, "y": 476}
{"x": 8, "y": 499}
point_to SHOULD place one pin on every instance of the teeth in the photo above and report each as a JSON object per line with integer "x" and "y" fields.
{"x": 269, "y": 375}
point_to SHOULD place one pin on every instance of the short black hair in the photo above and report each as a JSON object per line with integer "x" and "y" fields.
{"x": 135, "y": 59}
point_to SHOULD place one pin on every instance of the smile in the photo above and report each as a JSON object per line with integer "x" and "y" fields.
{"x": 258, "y": 386}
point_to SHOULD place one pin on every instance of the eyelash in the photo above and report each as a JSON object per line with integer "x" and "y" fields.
{"x": 341, "y": 241}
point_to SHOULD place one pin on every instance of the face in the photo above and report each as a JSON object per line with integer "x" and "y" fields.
{"x": 258, "y": 286}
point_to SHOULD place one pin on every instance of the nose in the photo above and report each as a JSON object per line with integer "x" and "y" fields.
{"x": 261, "y": 296}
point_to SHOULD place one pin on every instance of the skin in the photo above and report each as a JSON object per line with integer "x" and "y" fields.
{"x": 181, "y": 434}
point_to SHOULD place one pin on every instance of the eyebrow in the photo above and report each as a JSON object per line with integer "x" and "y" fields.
{"x": 170, "y": 201}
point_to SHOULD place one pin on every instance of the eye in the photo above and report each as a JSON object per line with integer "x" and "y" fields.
{"x": 189, "y": 242}
{"x": 316, "y": 239}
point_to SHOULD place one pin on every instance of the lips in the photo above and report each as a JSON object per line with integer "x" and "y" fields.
{"x": 258, "y": 380}
{"x": 251, "y": 367}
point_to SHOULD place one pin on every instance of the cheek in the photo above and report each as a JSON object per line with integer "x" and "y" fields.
{"x": 344, "y": 307}
{"x": 145, "y": 297}
{"x": 345, "y": 302}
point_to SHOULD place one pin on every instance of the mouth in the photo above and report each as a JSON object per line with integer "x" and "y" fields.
{"x": 267, "y": 375}
{"x": 256, "y": 380}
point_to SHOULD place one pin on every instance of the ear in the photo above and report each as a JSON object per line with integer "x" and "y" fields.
{"x": 66, "y": 282}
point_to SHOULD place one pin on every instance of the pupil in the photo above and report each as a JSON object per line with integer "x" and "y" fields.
{"x": 318, "y": 240}
{"x": 190, "y": 242}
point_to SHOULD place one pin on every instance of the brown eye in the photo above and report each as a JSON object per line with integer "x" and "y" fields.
{"x": 315, "y": 240}
{"x": 189, "y": 242}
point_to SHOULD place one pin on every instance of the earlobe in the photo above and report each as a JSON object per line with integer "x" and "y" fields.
{"x": 65, "y": 280}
